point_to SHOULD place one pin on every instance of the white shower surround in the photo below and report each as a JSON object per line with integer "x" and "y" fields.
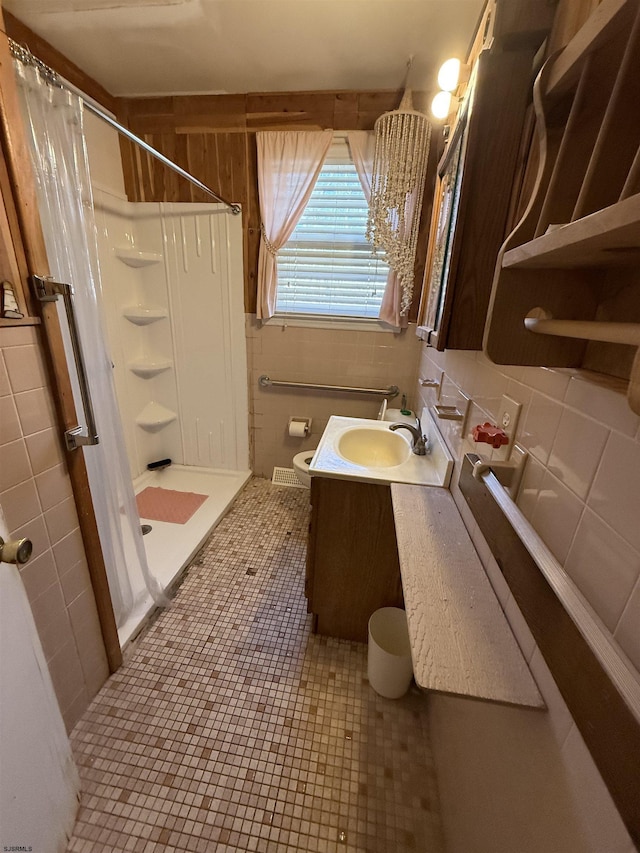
{"x": 191, "y": 270}
{"x": 187, "y": 365}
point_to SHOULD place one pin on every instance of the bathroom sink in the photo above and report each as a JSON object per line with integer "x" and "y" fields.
{"x": 368, "y": 451}
{"x": 374, "y": 447}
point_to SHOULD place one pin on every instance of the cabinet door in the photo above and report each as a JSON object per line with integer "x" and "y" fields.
{"x": 355, "y": 568}
{"x": 476, "y": 177}
{"x": 446, "y": 210}
{"x": 311, "y": 549}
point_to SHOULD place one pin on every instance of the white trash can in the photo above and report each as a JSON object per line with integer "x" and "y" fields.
{"x": 390, "y": 669}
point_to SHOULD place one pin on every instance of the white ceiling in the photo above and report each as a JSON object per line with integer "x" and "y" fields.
{"x": 155, "y": 47}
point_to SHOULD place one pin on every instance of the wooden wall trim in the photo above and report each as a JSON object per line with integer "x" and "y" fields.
{"x": 603, "y": 718}
{"x": 31, "y": 238}
{"x": 213, "y": 137}
{"x": 13, "y": 263}
{"x": 41, "y": 48}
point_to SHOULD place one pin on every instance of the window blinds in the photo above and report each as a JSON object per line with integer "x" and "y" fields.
{"x": 327, "y": 268}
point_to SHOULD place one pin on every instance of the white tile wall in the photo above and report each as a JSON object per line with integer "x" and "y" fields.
{"x": 556, "y": 515}
{"x": 626, "y": 632}
{"x": 581, "y": 492}
{"x": 581, "y": 489}
{"x": 577, "y": 450}
{"x": 37, "y": 499}
{"x": 325, "y": 356}
{"x": 541, "y": 424}
{"x": 604, "y": 566}
{"x": 615, "y": 494}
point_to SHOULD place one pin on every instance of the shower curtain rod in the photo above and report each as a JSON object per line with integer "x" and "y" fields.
{"x": 24, "y": 55}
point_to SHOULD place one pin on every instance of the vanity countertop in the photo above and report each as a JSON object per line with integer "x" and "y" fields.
{"x": 433, "y": 469}
{"x": 461, "y": 642}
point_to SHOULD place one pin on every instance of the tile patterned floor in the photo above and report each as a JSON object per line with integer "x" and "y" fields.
{"x": 232, "y": 728}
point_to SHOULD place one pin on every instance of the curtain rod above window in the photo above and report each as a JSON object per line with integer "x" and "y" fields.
{"x": 24, "y": 55}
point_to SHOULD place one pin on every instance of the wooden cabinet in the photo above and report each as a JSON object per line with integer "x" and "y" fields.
{"x": 477, "y": 172}
{"x": 352, "y": 558}
{"x": 567, "y": 284}
{"x": 475, "y": 177}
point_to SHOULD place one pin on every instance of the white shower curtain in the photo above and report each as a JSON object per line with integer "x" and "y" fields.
{"x": 54, "y": 125}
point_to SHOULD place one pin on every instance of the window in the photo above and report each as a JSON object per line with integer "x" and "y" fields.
{"x": 328, "y": 269}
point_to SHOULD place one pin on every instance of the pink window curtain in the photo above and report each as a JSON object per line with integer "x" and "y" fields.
{"x": 289, "y": 163}
{"x": 362, "y": 145}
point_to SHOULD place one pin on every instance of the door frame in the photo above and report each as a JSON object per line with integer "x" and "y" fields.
{"x": 21, "y": 201}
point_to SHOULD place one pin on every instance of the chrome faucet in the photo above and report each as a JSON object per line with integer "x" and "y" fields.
{"x": 420, "y": 443}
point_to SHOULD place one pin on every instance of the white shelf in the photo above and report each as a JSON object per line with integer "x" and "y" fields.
{"x": 148, "y": 368}
{"x": 143, "y": 315}
{"x": 134, "y": 258}
{"x": 155, "y": 417}
{"x": 579, "y": 275}
{"x": 610, "y": 236}
{"x": 461, "y": 642}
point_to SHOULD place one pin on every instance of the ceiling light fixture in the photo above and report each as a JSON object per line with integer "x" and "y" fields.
{"x": 451, "y": 74}
{"x": 441, "y": 105}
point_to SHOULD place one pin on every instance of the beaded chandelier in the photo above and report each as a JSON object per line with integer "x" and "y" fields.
{"x": 397, "y": 185}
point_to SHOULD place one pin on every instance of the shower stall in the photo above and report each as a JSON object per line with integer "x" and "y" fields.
{"x": 172, "y": 294}
{"x": 152, "y": 320}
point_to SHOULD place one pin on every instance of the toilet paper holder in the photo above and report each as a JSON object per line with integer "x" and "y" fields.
{"x": 299, "y": 427}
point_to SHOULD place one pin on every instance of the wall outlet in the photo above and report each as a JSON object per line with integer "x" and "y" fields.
{"x": 508, "y": 417}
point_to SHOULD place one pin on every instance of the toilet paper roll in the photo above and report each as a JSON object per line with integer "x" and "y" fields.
{"x": 297, "y": 429}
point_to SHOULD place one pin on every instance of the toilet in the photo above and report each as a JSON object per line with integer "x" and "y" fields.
{"x": 301, "y": 463}
{"x": 398, "y": 416}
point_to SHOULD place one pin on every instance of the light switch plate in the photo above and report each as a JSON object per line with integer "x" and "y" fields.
{"x": 508, "y": 417}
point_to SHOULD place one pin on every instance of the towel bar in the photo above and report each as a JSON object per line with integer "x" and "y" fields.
{"x": 597, "y": 680}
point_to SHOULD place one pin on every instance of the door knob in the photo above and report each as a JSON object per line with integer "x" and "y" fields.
{"x": 15, "y": 551}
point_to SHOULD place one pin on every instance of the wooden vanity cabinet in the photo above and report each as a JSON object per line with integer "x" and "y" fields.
{"x": 352, "y": 556}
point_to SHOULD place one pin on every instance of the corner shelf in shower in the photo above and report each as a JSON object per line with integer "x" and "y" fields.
{"x": 147, "y": 368}
{"x": 143, "y": 315}
{"x": 155, "y": 416}
{"x": 135, "y": 258}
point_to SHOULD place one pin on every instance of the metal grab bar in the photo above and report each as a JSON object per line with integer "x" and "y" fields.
{"x": 48, "y": 291}
{"x": 612, "y": 659}
{"x": 391, "y": 391}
